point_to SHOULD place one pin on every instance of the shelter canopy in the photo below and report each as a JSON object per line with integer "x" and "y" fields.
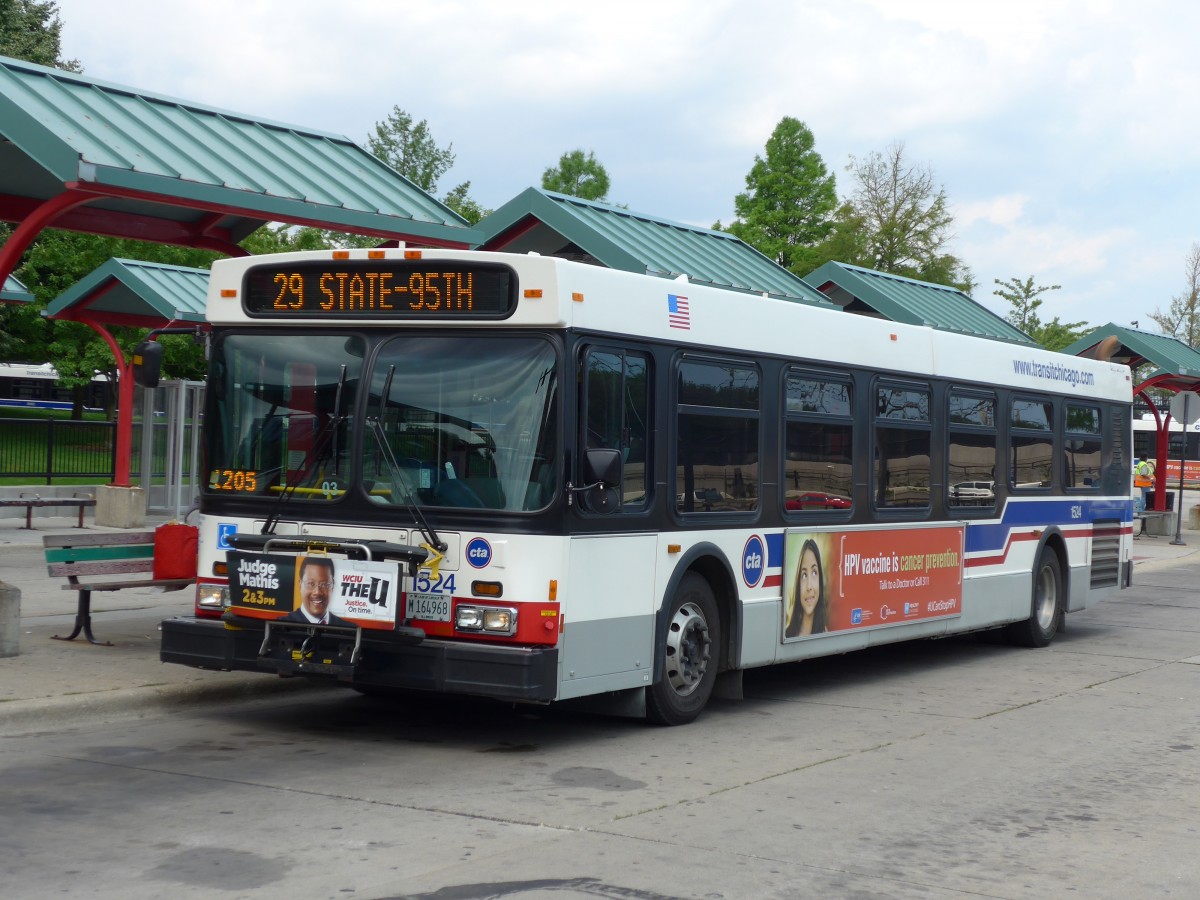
{"x": 911, "y": 302}
{"x": 12, "y": 291}
{"x": 132, "y": 292}
{"x": 100, "y": 158}
{"x": 554, "y": 224}
{"x": 1177, "y": 366}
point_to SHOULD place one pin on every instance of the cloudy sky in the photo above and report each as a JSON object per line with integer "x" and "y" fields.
{"x": 1062, "y": 130}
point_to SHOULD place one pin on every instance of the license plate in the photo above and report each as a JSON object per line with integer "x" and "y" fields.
{"x": 430, "y": 607}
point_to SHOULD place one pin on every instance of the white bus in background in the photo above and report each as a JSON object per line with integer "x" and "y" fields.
{"x": 33, "y": 386}
{"x": 541, "y": 481}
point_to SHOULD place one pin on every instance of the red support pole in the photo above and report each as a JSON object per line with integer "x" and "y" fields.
{"x": 124, "y": 405}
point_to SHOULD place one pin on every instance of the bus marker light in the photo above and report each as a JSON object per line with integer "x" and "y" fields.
{"x": 487, "y": 588}
{"x": 552, "y": 596}
{"x": 221, "y": 568}
{"x": 229, "y": 292}
{"x": 533, "y": 293}
{"x": 341, "y": 254}
{"x": 673, "y": 548}
{"x": 893, "y": 337}
{"x": 413, "y": 254}
{"x": 376, "y": 254}
{"x": 578, "y": 298}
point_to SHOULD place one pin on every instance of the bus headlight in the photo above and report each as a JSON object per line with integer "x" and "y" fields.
{"x": 212, "y": 596}
{"x": 491, "y": 619}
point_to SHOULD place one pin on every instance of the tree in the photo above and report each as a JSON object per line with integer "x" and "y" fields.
{"x": 32, "y": 31}
{"x": 1025, "y": 298}
{"x": 411, "y": 150}
{"x": 462, "y": 204}
{"x": 897, "y": 220}
{"x": 1182, "y": 318}
{"x": 579, "y": 175}
{"x": 787, "y": 209}
{"x": 55, "y": 262}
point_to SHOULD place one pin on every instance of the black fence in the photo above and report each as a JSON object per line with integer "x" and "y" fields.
{"x": 44, "y": 449}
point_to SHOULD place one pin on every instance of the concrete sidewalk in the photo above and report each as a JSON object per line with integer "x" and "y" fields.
{"x": 64, "y": 678}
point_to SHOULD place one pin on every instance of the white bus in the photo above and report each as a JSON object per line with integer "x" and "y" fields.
{"x": 542, "y": 481}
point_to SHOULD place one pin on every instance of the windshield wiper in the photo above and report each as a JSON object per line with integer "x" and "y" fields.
{"x": 315, "y": 453}
{"x": 400, "y": 485}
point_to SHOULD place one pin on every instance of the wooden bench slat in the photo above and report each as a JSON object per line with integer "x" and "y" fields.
{"x": 171, "y": 584}
{"x": 98, "y": 539}
{"x": 47, "y": 501}
{"x": 110, "y": 567}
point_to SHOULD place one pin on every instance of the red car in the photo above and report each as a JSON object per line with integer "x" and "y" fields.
{"x": 816, "y": 500}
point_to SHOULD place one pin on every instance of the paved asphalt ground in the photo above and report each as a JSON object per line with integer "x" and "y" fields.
{"x": 50, "y": 678}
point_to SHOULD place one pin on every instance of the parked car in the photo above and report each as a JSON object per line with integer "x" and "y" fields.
{"x": 706, "y": 499}
{"x": 978, "y": 493}
{"x": 815, "y": 500}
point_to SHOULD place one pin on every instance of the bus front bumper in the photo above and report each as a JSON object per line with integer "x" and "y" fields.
{"x": 453, "y": 667}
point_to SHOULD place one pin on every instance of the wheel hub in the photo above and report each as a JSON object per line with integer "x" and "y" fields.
{"x": 689, "y": 649}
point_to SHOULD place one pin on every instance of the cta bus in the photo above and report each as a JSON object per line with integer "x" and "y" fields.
{"x": 1183, "y": 445}
{"x": 34, "y": 386}
{"x": 542, "y": 481}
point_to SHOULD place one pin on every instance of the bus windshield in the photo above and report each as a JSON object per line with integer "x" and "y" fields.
{"x": 448, "y": 422}
{"x": 463, "y": 423}
{"x": 278, "y": 416}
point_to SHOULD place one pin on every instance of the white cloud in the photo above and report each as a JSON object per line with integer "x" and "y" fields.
{"x": 1062, "y": 130}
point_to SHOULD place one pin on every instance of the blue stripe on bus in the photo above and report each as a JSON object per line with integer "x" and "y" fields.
{"x": 775, "y": 550}
{"x": 992, "y": 536}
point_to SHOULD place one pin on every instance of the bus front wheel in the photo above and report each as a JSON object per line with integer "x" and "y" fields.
{"x": 1046, "y": 608}
{"x": 689, "y": 655}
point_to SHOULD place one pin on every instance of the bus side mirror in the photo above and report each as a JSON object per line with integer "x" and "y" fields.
{"x": 603, "y": 471}
{"x": 147, "y": 363}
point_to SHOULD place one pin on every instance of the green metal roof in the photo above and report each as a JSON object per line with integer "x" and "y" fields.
{"x": 560, "y": 225}
{"x": 1177, "y": 364}
{"x": 169, "y": 170}
{"x": 131, "y": 292}
{"x": 913, "y": 302}
{"x": 15, "y": 292}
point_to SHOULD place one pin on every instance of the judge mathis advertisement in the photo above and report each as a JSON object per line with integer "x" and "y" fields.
{"x": 845, "y": 580}
{"x": 314, "y": 589}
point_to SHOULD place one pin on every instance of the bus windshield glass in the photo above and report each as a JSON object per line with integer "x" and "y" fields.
{"x": 463, "y": 423}
{"x": 278, "y": 417}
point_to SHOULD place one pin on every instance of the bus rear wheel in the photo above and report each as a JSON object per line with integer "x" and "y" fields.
{"x": 1046, "y": 607}
{"x": 689, "y": 655}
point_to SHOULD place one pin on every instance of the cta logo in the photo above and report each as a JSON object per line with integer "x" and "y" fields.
{"x": 479, "y": 553}
{"x": 754, "y": 561}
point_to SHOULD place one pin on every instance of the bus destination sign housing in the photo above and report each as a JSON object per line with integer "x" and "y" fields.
{"x": 400, "y": 289}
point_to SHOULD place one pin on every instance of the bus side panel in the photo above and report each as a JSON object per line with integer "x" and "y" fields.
{"x": 608, "y": 608}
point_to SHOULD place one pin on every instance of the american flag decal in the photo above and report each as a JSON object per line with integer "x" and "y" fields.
{"x": 678, "y": 313}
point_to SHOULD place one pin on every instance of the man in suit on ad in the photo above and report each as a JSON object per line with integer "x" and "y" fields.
{"x": 316, "y": 587}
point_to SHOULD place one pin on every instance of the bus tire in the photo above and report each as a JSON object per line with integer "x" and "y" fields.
{"x": 1046, "y": 605}
{"x": 689, "y": 655}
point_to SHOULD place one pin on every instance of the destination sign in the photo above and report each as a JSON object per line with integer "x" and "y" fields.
{"x": 400, "y": 289}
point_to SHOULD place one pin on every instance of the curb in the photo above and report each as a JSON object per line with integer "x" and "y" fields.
{"x": 126, "y": 701}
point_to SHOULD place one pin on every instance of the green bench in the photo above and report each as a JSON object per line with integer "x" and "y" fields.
{"x": 81, "y": 558}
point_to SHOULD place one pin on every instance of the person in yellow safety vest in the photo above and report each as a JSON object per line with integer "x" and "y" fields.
{"x": 1143, "y": 477}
